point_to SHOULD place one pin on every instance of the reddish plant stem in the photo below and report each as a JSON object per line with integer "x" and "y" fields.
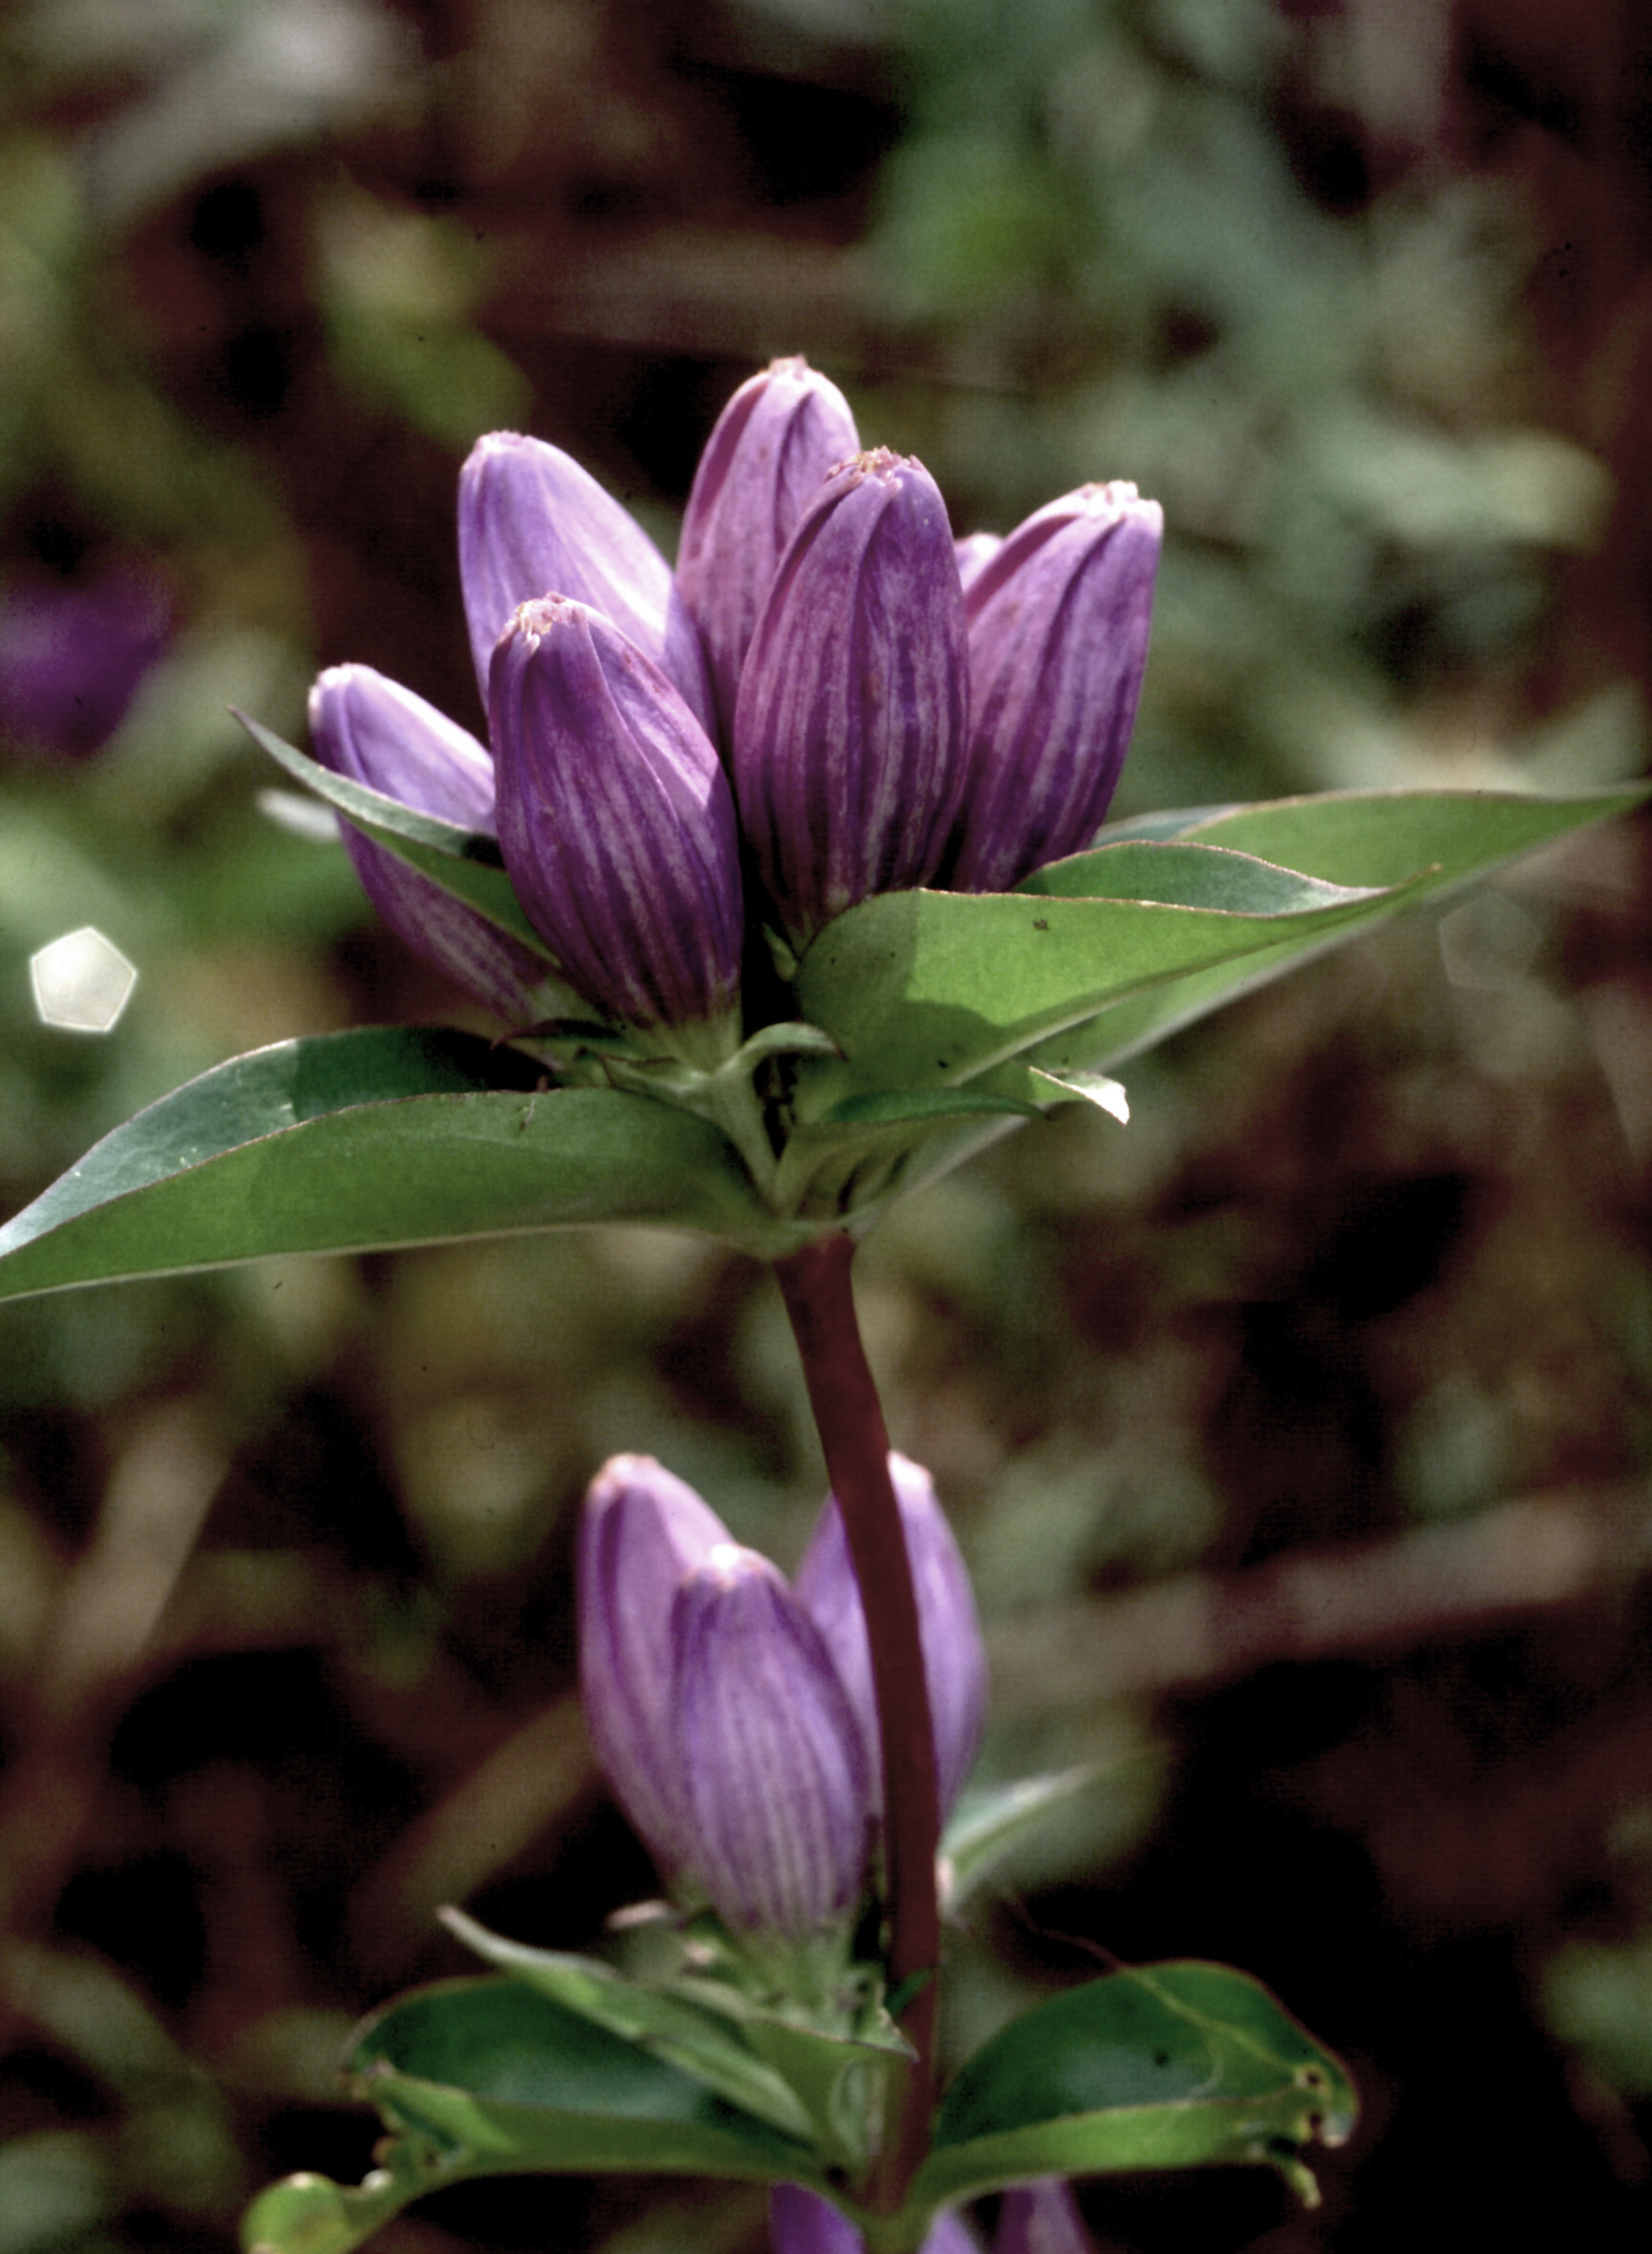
{"x": 819, "y": 1296}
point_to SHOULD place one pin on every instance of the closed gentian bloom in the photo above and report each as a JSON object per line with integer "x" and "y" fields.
{"x": 849, "y": 728}
{"x": 615, "y": 818}
{"x": 1059, "y": 620}
{"x": 763, "y": 464}
{"x": 376, "y": 732}
{"x": 732, "y": 1713}
{"x": 1041, "y": 2218}
{"x": 532, "y": 522}
{"x": 643, "y": 1531}
{"x": 953, "y": 1655}
{"x": 802, "y": 2222}
{"x": 715, "y": 1710}
{"x": 775, "y": 1773}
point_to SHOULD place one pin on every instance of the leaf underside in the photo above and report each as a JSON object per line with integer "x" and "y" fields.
{"x": 354, "y": 1140}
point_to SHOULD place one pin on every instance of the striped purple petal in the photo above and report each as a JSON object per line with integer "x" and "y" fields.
{"x": 615, "y": 818}
{"x": 774, "y": 1767}
{"x": 377, "y": 732}
{"x": 953, "y": 1655}
{"x": 642, "y": 1532}
{"x": 763, "y": 463}
{"x": 531, "y": 522}
{"x": 1059, "y": 621}
{"x": 849, "y": 730}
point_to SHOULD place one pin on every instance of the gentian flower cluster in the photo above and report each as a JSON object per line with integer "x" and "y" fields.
{"x": 830, "y": 693}
{"x": 733, "y": 1713}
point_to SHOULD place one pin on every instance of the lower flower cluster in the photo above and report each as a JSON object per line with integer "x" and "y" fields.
{"x": 734, "y": 1715}
{"x": 734, "y": 1712}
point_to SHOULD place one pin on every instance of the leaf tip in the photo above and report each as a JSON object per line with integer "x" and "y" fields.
{"x": 1296, "y": 2171}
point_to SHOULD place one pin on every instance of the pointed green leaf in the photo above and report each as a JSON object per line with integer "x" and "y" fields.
{"x": 1178, "y": 874}
{"x": 681, "y": 2033}
{"x": 1380, "y": 837}
{"x": 484, "y": 2077}
{"x": 925, "y": 989}
{"x": 989, "y": 1825}
{"x": 486, "y": 2067}
{"x": 840, "y": 2081}
{"x": 366, "y": 1139}
{"x": 1167, "y": 821}
{"x": 463, "y": 862}
{"x": 1180, "y": 2065}
{"x": 1458, "y": 836}
{"x": 839, "y": 2075}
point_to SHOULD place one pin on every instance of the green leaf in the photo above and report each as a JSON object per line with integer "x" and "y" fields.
{"x": 1190, "y": 876}
{"x": 1458, "y": 836}
{"x": 825, "y": 2084}
{"x": 924, "y": 989}
{"x": 463, "y": 862}
{"x": 483, "y": 2066}
{"x": 1179, "y": 2065}
{"x": 831, "y": 1169}
{"x": 839, "y": 2074}
{"x": 901, "y": 1107}
{"x": 682, "y": 2033}
{"x": 1168, "y": 821}
{"x": 928, "y": 989}
{"x": 1107, "y": 1094}
{"x": 989, "y": 1825}
{"x": 486, "y": 2077}
{"x": 309, "y": 2214}
{"x": 363, "y": 1139}
{"x": 1380, "y": 837}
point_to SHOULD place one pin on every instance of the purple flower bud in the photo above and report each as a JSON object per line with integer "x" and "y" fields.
{"x": 850, "y": 731}
{"x": 531, "y": 522}
{"x": 1059, "y": 621}
{"x": 801, "y": 2222}
{"x": 615, "y": 818}
{"x": 953, "y": 1655}
{"x": 642, "y": 1533}
{"x": 378, "y": 733}
{"x": 1041, "y": 2218}
{"x": 763, "y": 463}
{"x": 775, "y": 1771}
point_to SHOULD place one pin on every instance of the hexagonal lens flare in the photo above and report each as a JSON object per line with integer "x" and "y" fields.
{"x": 81, "y": 981}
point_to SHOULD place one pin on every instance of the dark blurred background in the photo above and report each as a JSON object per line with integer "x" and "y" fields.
{"x": 1297, "y": 1433}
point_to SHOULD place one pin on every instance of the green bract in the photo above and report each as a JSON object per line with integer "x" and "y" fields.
{"x": 1174, "y": 2065}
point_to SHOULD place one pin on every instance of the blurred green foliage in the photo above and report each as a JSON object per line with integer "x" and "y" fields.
{"x": 1337, "y": 406}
